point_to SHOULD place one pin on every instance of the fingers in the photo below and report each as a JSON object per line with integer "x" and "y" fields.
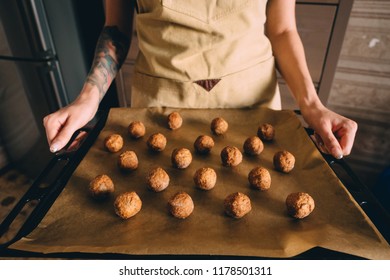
{"x": 332, "y": 144}
{"x": 337, "y": 133}
{"x": 339, "y": 139}
{"x": 346, "y": 135}
{"x": 62, "y": 137}
{"x": 59, "y": 129}
{"x": 61, "y": 125}
{"x": 53, "y": 124}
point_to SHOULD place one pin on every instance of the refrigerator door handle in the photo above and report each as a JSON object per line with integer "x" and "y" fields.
{"x": 42, "y": 25}
{"x": 44, "y": 33}
{"x": 58, "y": 84}
{"x": 35, "y": 21}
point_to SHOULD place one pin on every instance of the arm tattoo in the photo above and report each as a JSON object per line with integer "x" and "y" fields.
{"x": 110, "y": 53}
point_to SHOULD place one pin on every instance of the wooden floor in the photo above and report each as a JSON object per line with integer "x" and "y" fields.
{"x": 13, "y": 184}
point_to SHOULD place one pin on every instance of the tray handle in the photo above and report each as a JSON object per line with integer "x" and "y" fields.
{"x": 51, "y": 181}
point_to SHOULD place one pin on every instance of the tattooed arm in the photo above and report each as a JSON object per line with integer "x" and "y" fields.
{"x": 111, "y": 51}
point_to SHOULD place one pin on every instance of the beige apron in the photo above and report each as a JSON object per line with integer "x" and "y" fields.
{"x": 203, "y": 54}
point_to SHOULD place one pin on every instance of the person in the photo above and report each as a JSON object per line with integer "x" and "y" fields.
{"x": 204, "y": 54}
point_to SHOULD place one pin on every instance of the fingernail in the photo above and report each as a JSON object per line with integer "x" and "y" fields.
{"x": 337, "y": 153}
{"x": 339, "y": 156}
{"x": 54, "y": 147}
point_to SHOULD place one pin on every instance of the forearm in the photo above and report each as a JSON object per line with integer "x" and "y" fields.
{"x": 291, "y": 62}
{"x": 110, "y": 53}
{"x": 335, "y": 131}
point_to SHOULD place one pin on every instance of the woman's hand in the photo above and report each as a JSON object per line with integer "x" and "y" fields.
{"x": 110, "y": 53}
{"x": 336, "y": 132}
{"x": 61, "y": 124}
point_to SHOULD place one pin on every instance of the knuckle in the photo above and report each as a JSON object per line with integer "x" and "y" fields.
{"x": 329, "y": 138}
{"x": 46, "y": 119}
{"x": 353, "y": 125}
{"x": 322, "y": 123}
{"x": 350, "y": 124}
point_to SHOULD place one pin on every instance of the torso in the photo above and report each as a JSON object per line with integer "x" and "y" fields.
{"x": 203, "y": 54}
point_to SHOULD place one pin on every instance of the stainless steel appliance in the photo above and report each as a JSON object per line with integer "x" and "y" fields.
{"x": 46, "y": 48}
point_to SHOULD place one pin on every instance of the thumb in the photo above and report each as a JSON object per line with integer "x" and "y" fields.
{"x": 331, "y": 144}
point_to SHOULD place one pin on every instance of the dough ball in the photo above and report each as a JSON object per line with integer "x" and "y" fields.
{"x": 266, "y": 132}
{"x": 203, "y": 144}
{"x": 181, "y": 205}
{"x": 128, "y": 161}
{"x": 237, "y": 205}
{"x": 231, "y": 156}
{"x": 113, "y": 143}
{"x": 253, "y": 146}
{"x": 219, "y": 126}
{"x": 127, "y": 205}
{"x": 157, "y": 142}
{"x": 181, "y": 158}
{"x": 136, "y": 129}
{"x": 158, "y": 179}
{"x": 101, "y": 186}
{"x": 205, "y": 178}
{"x": 174, "y": 120}
{"x": 299, "y": 205}
{"x": 259, "y": 178}
{"x": 284, "y": 161}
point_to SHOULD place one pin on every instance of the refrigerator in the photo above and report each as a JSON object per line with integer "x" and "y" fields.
{"x": 46, "y": 49}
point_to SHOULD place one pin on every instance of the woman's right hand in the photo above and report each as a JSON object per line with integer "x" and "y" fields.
{"x": 61, "y": 124}
{"x": 111, "y": 51}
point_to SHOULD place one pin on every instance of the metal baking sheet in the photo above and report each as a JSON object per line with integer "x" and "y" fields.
{"x": 78, "y": 223}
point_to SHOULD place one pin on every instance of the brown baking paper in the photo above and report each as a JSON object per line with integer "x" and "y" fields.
{"x": 78, "y": 223}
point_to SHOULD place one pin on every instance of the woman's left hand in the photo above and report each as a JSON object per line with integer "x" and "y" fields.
{"x": 336, "y": 132}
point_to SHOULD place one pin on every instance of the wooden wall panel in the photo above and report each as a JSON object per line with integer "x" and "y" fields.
{"x": 361, "y": 89}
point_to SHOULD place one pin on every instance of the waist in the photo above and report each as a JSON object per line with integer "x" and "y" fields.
{"x": 175, "y": 46}
{"x": 199, "y": 64}
{"x": 254, "y": 86}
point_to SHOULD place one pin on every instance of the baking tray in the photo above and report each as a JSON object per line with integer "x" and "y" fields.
{"x": 54, "y": 178}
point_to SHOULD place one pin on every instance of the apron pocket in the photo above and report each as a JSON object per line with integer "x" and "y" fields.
{"x": 205, "y": 10}
{"x": 245, "y": 88}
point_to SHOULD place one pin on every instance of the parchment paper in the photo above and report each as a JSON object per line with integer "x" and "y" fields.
{"x": 77, "y": 223}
